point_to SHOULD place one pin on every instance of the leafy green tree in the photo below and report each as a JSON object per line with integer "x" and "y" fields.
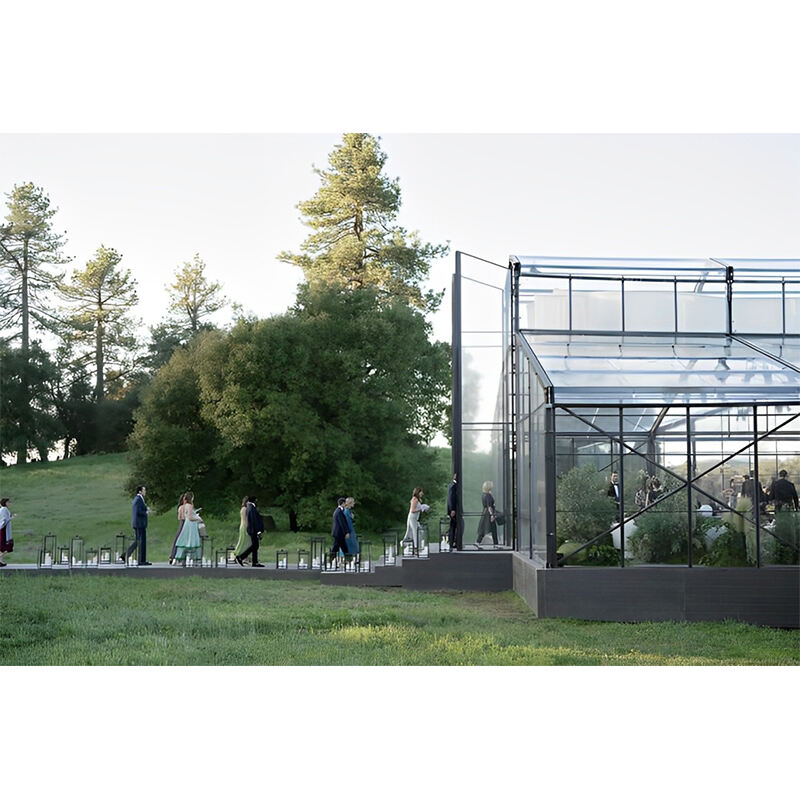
{"x": 340, "y": 395}
{"x": 193, "y": 297}
{"x": 26, "y": 415}
{"x": 172, "y": 447}
{"x": 103, "y": 297}
{"x": 356, "y": 242}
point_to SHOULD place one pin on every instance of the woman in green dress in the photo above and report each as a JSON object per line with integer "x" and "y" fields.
{"x": 244, "y": 539}
{"x": 188, "y": 545}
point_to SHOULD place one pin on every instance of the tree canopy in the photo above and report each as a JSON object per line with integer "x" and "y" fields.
{"x": 339, "y": 395}
{"x": 193, "y": 297}
{"x": 356, "y": 242}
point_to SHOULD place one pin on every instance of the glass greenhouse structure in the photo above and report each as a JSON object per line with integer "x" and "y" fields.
{"x": 630, "y": 412}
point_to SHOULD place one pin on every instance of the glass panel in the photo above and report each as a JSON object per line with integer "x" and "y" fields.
{"x": 649, "y": 307}
{"x": 703, "y": 312}
{"x": 596, "y": 305}
{"x": 757, "y": 308}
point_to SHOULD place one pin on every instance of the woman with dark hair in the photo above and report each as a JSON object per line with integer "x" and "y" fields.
{"x": 6, "y": 538}
{"x": 188, "y": 544}
{"x": 244, "y": 540}
{"x": 488, "y": 523}
{"x": 180, "y": 528}
{"x": 412, "y": 522}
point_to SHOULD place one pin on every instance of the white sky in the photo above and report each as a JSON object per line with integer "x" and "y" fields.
{"x": 158, "y": 199}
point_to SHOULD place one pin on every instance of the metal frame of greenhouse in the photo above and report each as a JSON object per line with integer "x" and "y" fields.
{"x": 683, "y": 369}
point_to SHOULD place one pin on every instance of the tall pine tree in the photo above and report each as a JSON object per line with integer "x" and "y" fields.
{"x": 356, "y": 242}
{"x": 103, "y": 296}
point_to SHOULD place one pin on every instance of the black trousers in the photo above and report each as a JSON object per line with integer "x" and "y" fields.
{"x": 339, "y": 543}
{"x": 141, "y": 542}
{"x": 252, "y": 549}
{"x": 454, "y": 535}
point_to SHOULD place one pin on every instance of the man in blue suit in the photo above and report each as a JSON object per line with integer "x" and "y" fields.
{"x": 339, "y": 530}
{"x": 139, "y": 512}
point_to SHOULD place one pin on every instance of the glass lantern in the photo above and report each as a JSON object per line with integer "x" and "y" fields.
{"x": 317, "y": 552}
{"x": 121, "y": 548}
{"x": 206, "y": 552}
{"x": 389, "y": 549}
{"x": 105, "y": 557}
{"x": 76, "y": 552}
{"x": 282, "y": 559}
{"x": 221, "y": 558}
{"x": 48, "y": 552}
{"x": 91, "y": 557}
{"x": 303, "y": 559}
{"x": 63, "y": 555}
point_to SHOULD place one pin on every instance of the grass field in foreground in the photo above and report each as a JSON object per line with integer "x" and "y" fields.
{"x": 86, "y": 619}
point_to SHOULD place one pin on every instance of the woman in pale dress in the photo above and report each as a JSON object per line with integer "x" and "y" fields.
{"x": 412, "y": 523}
{"x": 6, "y": 538}
{"x": 244, "y": 540}
{"x": 180, "y": 528}
{"x": 188, "y": 544}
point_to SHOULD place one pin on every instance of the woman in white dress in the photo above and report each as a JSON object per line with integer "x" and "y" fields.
{"x": 412, "y": 523}
{"x": 6, "y": 537}
{"x": 188, "y": 545}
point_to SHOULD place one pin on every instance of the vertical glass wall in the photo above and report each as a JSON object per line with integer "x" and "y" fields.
{"x": 481, "y": 337}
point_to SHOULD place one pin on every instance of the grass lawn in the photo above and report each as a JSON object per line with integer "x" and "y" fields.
{"x": 104, "y": 620}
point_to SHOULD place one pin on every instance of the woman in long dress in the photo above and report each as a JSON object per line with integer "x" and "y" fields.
{"x": 6, "y": 538}
{"x": 188, "y": 544}
{"x": 180, "y": 528}
{"x": 353, "y": 547}
{"x": 244, "y": 540}
{"x": 487, "y": 523}
{"x": 412, "y": 523}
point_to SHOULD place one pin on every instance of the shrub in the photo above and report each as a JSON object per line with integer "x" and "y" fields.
{"x": 583, "y": 509}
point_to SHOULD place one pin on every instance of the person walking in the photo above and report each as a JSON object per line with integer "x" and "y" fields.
{"x": 353, "y": 547}
{"x": 6, "y": 537}
{"x": 181, "y": 501}
{"x": 454, "y": 533}
{"x": 188, "y": 544}
{"x": 339, "y": 529}
{"x": 488, "y": 523}
{"x": 139, "y": 512}
{"x": 784, "y": 492}
{"x": 412, "y": 521}
{"x": 243, "y": 540}
{"x": 255, "y": 528}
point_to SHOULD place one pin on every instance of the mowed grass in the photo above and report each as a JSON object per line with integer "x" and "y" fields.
{"x": 109, "y": 620}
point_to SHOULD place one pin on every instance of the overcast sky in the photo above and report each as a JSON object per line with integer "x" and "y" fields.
{"x": 158, "y": 199}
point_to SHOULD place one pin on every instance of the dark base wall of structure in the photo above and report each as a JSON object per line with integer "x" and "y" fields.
{"x": 768, "y": 596}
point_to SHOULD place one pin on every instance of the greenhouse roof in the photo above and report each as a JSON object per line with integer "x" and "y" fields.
{"x": 630, "y": 369}
{"x": 660, "y": 267}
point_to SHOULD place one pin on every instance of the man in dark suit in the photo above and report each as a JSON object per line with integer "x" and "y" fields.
{"x": 139, "y": 512}
{"x": 255, "y": 528}
{"x": 454, "y": 536}
{"x": 339, "y": 529}
{"x": 784, "y": 493}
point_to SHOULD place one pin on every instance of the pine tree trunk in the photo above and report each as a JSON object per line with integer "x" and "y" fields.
{"x": 22, "y": 453}
{"x": 100, "y": 388}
